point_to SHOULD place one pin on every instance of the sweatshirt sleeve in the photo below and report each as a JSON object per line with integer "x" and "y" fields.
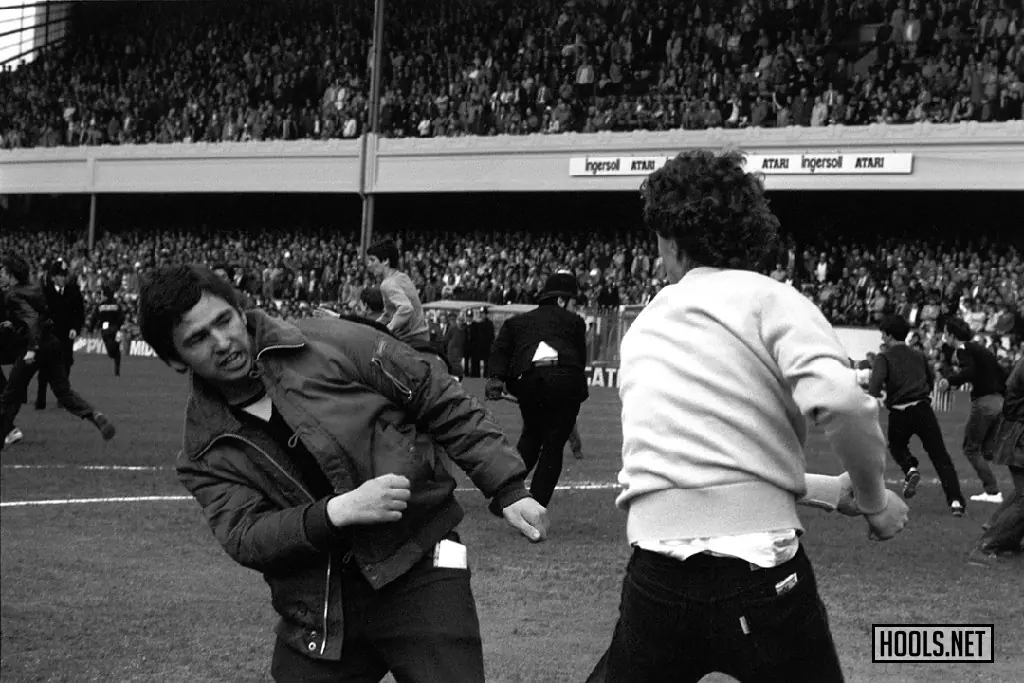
{"x": 813, "y": 363}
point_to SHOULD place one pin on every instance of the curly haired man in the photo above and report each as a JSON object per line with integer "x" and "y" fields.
{"x": 721, "y": 376}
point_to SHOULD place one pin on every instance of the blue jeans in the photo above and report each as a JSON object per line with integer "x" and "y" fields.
{"x": 679, "y": 621}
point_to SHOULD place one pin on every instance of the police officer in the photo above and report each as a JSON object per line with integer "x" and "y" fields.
{"x": 67, "y": 309}
{"x": 541, "y": 357}
{"x": 27, "y": 311}
{"x": 110, "y": 319}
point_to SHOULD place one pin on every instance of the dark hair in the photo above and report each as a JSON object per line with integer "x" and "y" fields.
{"x": 715, "y": 211}
{"x": 959, "y": 328}
{"x": 168, "y": 293}
{"x": 373, "y": 298}
{"x": 17, "y": 267}
{"x": 386, "y": 251}
{"x": 895, "y": 326}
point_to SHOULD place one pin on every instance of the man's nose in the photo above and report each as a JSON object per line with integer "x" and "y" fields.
{"x": 221, "y": 341}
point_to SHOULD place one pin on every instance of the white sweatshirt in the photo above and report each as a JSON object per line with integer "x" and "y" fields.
{"x": 719, "y": 376}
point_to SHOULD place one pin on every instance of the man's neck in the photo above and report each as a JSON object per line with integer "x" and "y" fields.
{"x": 388, "y": 272}
{"x": 242, "y": 391}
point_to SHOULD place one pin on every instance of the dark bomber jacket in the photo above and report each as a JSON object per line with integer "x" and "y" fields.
{"x": 363, "y": 404}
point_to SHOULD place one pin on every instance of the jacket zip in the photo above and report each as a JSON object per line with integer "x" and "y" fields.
{"x": 406, "y": 391}
{"x": 312, "y": 498}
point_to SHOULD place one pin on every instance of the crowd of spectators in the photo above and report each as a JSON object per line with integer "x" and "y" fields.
{"x": 294, "y": 273}
{"x": 238, "y": 71}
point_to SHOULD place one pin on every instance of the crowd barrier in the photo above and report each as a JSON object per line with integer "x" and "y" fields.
{"x": 921, "y": 156}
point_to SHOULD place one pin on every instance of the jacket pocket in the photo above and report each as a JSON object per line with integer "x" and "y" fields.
{"x": 393, "y": 362}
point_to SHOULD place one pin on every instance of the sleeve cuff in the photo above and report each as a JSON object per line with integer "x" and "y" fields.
{"x": 823, "y": 492}
{"x": 321, "y": 533}
{"x": 512, "y": 492}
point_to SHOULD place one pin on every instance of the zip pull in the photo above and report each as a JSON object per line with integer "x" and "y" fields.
{"x": 294, "y": 440}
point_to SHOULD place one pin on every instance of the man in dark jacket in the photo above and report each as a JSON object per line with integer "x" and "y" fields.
{"x": 541, "y": 357}
{"x": 979, "y": 367}
{"x": 12, "y": 347}
{"x": 1004, "y": 532}
{"x": 907, "y": 378}
{"x": 314, "y": 450}
{"x": 27, "y": 310}
{"x": 67, "y": 309}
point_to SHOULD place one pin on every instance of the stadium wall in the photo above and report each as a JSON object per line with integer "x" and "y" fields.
{"x": 965, "y": 156}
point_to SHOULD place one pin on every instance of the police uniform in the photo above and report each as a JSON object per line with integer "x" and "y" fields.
{"x": 540, "y": 356}
{"x": 27, "y": 311}
{"x": 110, "y": 318}
{"x": 67, "y": 310}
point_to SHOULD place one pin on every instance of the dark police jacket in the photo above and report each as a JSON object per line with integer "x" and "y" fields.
{"x": 67, "y": 308}
{"x": 517, "y": 341}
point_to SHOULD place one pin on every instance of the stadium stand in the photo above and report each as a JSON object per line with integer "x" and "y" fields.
{"x": 238, "y": 71}
{"x": 293, "y": 272}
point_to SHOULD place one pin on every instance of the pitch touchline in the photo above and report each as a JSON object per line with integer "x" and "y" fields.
{"x": 581, "y": 486}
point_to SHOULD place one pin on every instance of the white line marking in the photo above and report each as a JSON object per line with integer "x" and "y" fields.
{"x": 578, "y": 486}
{"x": 107, "y": 468}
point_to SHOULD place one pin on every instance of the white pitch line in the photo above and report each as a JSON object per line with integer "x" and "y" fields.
{"x": 580, "y": 486}
{"x": 107, "y": 468}
{"x": 583, "y": 486}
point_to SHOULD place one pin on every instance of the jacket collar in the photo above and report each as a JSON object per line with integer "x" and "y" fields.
{"x": 207, "y": 415}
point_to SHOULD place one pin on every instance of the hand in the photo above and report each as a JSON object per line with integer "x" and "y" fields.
{"x": 890, "y": 521}
{"x": 30, "y": 357}
{"x": 943, "y": 384}
{"x": 529, "y": 517}
{"x": 847, "y": 504}
{"x": 377, "y": 501}
{"x": 495, "y": 389}
{"x": 72, "y": 335}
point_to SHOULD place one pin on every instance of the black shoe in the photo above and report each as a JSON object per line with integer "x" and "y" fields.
{"x": 957, "y": 508}
{"x": 103, "y": 424}
{"x": 910, "y": 483}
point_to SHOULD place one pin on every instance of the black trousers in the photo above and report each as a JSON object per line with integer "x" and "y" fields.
{"x": 67, "y": 351}
{"x": 919, "y": 420}
{"x": 49, "y": 357}
{"x": 113, "y": 348}
{"x": 679, "y": 621}
{"x": 423, "y": 628}
{"x": 549, "y": 401}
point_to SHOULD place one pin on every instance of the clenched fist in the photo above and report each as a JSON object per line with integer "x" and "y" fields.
{"x": 377, "y": 501}
{"x": 890, "y": 521}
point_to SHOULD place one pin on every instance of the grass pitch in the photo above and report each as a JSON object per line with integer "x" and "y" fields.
{"x": 139, "y": 591}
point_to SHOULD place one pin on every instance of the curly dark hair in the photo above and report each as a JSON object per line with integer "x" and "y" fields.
{"x": 715, "y": 211}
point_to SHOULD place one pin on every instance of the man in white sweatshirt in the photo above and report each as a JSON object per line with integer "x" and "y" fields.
{"x": 721, "y": 376}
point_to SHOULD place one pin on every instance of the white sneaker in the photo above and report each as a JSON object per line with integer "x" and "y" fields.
{"x": 989, "y": 497}
{"x": 13, "y": 437}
